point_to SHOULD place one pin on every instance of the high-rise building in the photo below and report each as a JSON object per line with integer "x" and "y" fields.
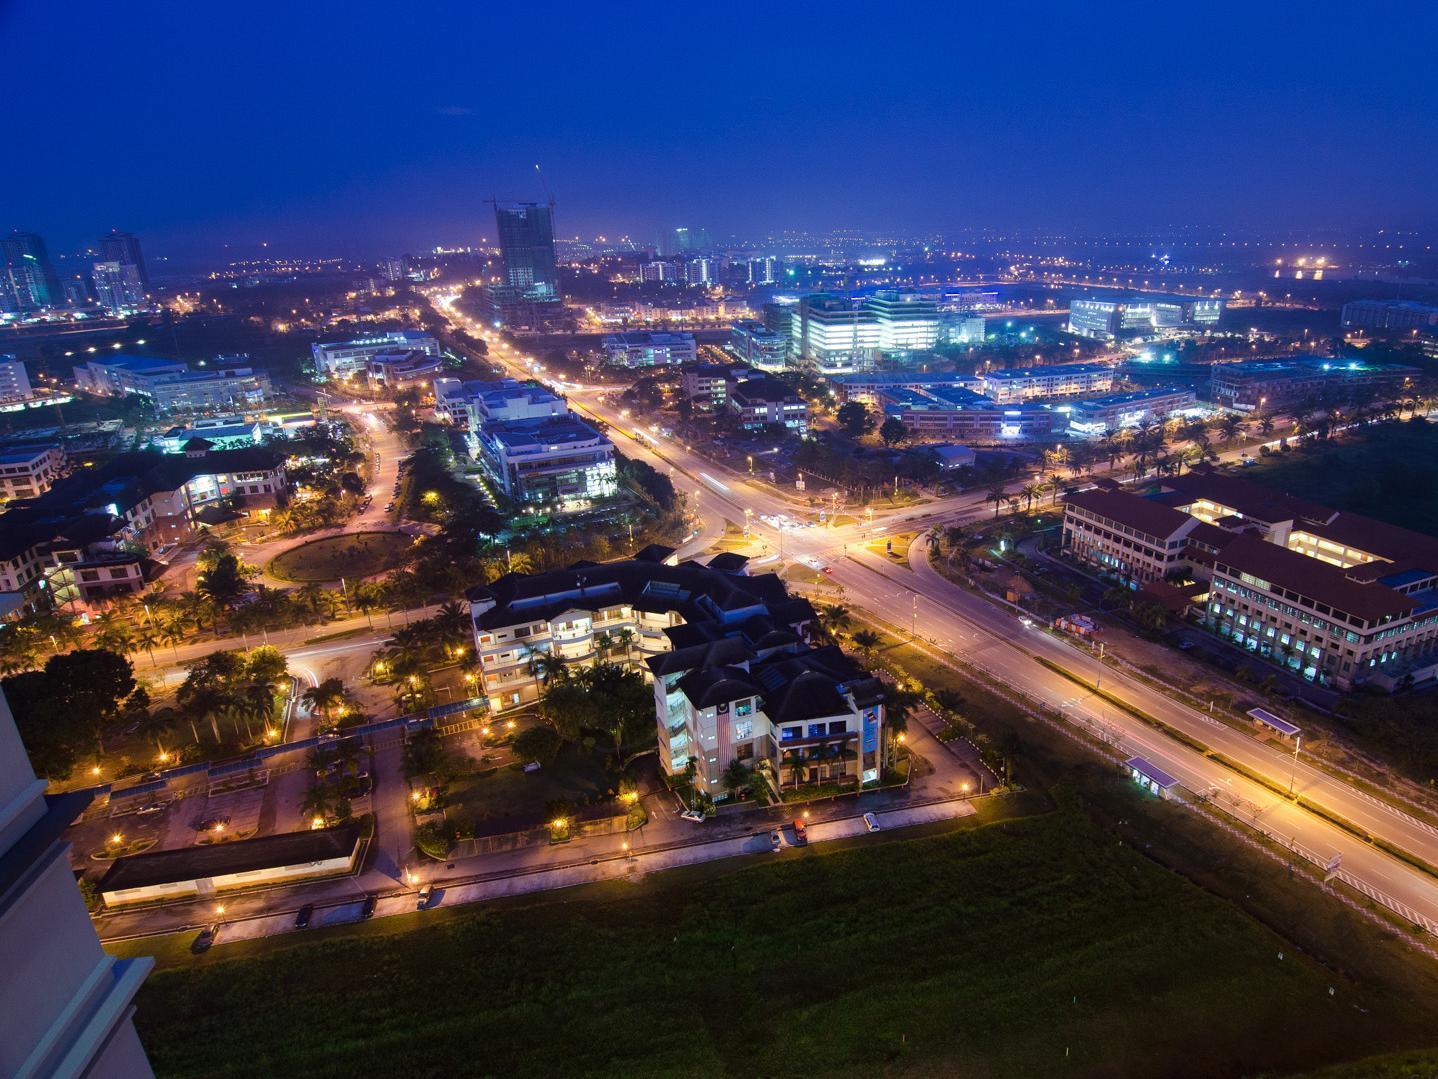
{"x": 65, "y": 1005}
{"x": 763, "y": 271}
{"x": 124, "y": 248}
{"x": 30, "y": 281}
{"x": 682, "y": 241}
{"x": 118, "y": 286}
{"x": 699, "y": 272}
{"x": 14, "y": 379}
{"x": 907, "y": 321}
{"x": 526, "y": 244}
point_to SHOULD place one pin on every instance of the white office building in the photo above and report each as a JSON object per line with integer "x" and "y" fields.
{"x": 558, "y": 460}
{"x": 1106, "y": 318}
{"x": 645, "y": 348}
{"x": 342, "y": 359}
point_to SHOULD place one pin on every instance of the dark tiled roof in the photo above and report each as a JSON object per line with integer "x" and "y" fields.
{"x": 1319, "y": 581}
{"x": 1139, "y": 513}
{"x": 709, "y": 686}
{"x": 729, "y": 561}
{"x": 1252, "y": 500}
{"x": 240, "y": 856}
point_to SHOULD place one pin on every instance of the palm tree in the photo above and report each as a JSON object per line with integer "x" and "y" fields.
{"x": 518, "y": 562}
{"x": 835, "y": 617}
{"x": 736, "y": 777}
{"x": 325, "y": 696}
{"x": 1028, "y": 492}
{"x": 603, "y": 643}
{"x": 316, "y": 803}
{"x": 624, "y": 638}
{"x": 866, "y": 641}
{"x": 146, "y": 637}
{"x": 548, "y": 667}
{"x": 998, "y": 495}
{"x": 117, "y": 637}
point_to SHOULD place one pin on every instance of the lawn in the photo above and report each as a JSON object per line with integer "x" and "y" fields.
{"x": 359, "y": 554}
{"x": 509, "y": 795}
{"x": 1388, "y": 471}
{"x": 1032, "y": 946}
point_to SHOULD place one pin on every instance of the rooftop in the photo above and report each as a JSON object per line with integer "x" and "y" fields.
{"x": 1141, "y": 514}
{"x": 239, "y": 856}
{"x": 1319, "y": 581}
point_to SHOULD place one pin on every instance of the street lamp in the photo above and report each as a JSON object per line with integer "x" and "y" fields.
{"x": 1293, "y": 772}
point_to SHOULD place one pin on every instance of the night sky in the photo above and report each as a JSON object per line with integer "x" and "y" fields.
{"x": 363, "y": 128}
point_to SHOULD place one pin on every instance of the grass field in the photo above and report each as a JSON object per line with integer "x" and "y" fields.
{"x": 1389, "y": 471}
{"x": 355, "y": 555}
{"x": 1034, "y": 946}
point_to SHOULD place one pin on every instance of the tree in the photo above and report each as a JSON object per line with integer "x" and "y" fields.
{"x": 997, "y": 494}
{"x": 1029, "y": 492}
{"x": 624, "y": 638}
{"x": 835, "y": 617}
{"x": 867, "y": 642}
{"x": 224, "y": 581}
{"x": 549, "y": 667}
{"x": 325, "y": 697}
{"x": 538, "y": 743}
{"x": 854, "y": 419}
{"x": 92, "y": 682}
{"x": 736, "y": 777}
{"x": 893, "y": 431}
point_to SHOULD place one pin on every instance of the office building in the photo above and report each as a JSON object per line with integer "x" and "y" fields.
{"x": 762, "y": 402}
{"x": 28, "y": 469}
{"x": 172, "y": 386}
{"x": 124, "y": 248}
{"x": 1096, "y": 416}
{"x": 1056, "y": 380}
{"x": 1264, "y": 384}
{"x": 343, "y": 359}
{"x": 66, "y": 1006}
{"x": 710, "y": 383}
{"x": 557, "y": 461}
{"x": 646, "y": 348}
{"x": 402, "y": 368}
{"x": 475, "y": 403}
{"x": 31, "y": 282}
{"x": 117, "y": 286}
{"x": 869, "y": 387}
{"x": 799, "y": 714}
{"x": 778, "y": 316}
{"x": 907, "y": 321}
{"x": 221, "y": 432}
{"x": 682, "y": 241}
{"x": 14, "y": 380}
{"x": 1391, "y": 318}
{"x": 1106, "y": 318}
{"x": 834, "y": 335}
{"x": 961, "y": 329}
{"x": 1333, "y": 597}
{"x": 526, "y": 246}
{"x": 755, "y": 344}
{"x": 951, "y": 413}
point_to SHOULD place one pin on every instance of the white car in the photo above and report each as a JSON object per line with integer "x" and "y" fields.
{"x": 696, "y": 815}
{"x": 871, "y": 822}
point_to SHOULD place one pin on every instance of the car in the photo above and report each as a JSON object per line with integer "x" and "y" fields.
{"x": 151, "y": 807}
{"x": 207, "y": 937}
{"x": 776, "y": 843}
{"x": 532, "y": 766}
{"x": 1185, "y": 645}
{"x": 389, "y": 508}
{"x": 303, "y": 916}
{"x": 1026, "y": 622}
{"x": 871, "y": 822}
{"x": 696, "y": 815}
{"x": 422, "y": 899}
{"x": 367, "y": 910}
{"x": 801, "y": 833}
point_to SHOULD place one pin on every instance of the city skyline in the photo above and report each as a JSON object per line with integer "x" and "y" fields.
{"x": 937, "y": 124}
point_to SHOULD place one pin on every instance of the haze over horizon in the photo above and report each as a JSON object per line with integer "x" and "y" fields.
{"x": 327, "y": 129}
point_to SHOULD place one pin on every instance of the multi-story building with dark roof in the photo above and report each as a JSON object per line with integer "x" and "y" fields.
{"x": 734, "y": 673}
{"x": 1334, "y": 597}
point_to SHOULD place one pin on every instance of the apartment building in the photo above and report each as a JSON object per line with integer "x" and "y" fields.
{"x": 28, "y": 470}
{"x": 734, "y": 675}
{"x": 14, "y": 380}
{"x": 341, "y": 359}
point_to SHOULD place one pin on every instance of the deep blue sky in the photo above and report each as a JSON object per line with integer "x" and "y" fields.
{"x": 317, "y": 125}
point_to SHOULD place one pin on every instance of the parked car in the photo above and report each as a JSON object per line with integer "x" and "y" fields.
{"x": 801, "y": 834}
{"x": 696, "y": 815}
{"x": 206, "y": 938}
{"x": 367, "y": 910}
{"x": 422, "y": 899}
{"x": 151, "y": 807}
{"x": 302, "y": 919}
{"x": 776, "y": 843}
{"x": 871, "y": 822}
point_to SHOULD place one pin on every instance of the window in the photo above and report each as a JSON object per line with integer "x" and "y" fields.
{"x": 744, "y": 752}
{"x": 743, "y": 730}
{"x": 744, "y": 708}
{"x": 817, "y": 730}
{"x": 789, "y": 734}
{"x": 839, "y": 726}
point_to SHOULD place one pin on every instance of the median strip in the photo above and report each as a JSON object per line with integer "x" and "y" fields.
{"x": 1234, "y": 766}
